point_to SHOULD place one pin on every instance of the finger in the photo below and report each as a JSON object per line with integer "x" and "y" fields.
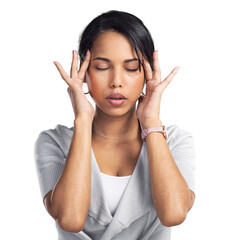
{"x": 157, "y": 71}
{"x": 84, "y": 66}
{"x": 63, "y": 74}
{"x": 169, "y": 78}
{"x": 147, "y": 69}
{"x": 74, "y": 65}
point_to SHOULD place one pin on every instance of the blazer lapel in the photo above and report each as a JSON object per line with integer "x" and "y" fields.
{"x": 135, "y": 202}
{"x": 137, "y": 198}
{"x": 98, "y": 206}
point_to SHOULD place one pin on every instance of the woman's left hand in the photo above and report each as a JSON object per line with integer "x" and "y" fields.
{"x": 148, "y": 109}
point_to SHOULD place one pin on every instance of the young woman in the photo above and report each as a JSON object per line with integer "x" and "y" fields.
{"x": 118, "y": 173}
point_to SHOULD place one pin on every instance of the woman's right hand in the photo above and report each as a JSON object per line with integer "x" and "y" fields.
{"x": 81, "y": 105}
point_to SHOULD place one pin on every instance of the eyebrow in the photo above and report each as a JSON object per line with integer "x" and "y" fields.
{"x": 108, "y": 60}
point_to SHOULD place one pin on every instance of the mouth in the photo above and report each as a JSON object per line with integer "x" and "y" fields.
{"x": 116, "y": 96}
{"x": 116, "y": 99}
{"x": 116, "y": 102}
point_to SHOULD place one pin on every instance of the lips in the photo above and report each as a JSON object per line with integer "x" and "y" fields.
{"x": 116, "y": 96}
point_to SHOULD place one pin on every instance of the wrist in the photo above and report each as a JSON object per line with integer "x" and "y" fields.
{"x": 83, "y": 119}
{"x": 148, "y": 131}
{"x": 151, "y": 123}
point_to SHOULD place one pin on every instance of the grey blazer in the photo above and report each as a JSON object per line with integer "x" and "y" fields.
{"x": 135, "y": 217}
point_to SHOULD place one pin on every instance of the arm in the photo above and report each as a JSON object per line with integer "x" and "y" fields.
{"x": 69, "y": 201}
{"x": 171, "y": 195}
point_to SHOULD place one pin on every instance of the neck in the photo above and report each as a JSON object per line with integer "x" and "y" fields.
{"x": 119, "y": 128}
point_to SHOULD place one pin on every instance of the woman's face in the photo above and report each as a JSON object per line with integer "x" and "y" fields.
{"x": 114, "y": 68}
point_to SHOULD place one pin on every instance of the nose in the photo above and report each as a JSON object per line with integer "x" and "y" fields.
{"x": 116, "y": 79}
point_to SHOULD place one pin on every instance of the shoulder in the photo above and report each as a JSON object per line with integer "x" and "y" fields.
{"x": 59, "y": 136}
{"x": 58, "y": 131}
{"x": 177, "y": 136}
{"x": 181, "y": 144}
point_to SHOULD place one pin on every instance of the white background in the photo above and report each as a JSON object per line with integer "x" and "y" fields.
{"x": 199, "y": 36}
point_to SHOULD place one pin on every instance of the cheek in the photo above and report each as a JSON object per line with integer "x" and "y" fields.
{"x": 92, "y": 81}
{"x": 95, "y": 85}
{"x": 138, "y": 84}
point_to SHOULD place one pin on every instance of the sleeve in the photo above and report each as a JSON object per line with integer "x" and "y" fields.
{"x": 154, "y": 229}
{"x": 183, "y": 152}
{"x": 161, "y": 232}
{"x": 49, "y": 161}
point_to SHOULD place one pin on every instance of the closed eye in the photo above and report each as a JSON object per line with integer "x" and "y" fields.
{"x": 132, "y": 70}
{"x": 128, "y": 69}
{"x": 101, "y": 69}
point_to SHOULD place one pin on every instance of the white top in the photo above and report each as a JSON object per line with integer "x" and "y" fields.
{"x": 135, "y": 217}
{"x": 114, "y": 187}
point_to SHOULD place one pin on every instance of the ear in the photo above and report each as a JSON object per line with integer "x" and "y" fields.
{"x": 144, "y": 82}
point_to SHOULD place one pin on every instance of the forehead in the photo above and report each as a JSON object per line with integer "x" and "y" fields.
{"x": 113, "y": 44}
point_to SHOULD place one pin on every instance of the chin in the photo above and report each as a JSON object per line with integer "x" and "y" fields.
{"x": 115, "y": 111}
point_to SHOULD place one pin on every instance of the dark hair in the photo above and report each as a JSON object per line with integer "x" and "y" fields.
{"x": 122, "y": 22}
